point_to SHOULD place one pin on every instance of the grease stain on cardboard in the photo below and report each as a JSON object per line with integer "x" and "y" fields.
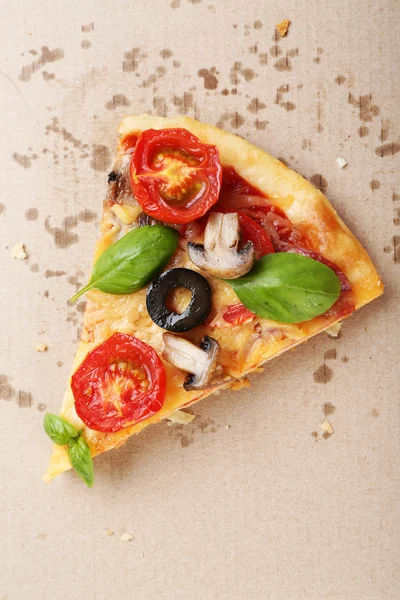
{"x": 323, "y": 374}
{"x": 31, "y": 214}
{"x": 46, "y": 56}
{"x": 255, "y": 106}
{"x": 209, "y": 77}
{"x": 388, "y": 149}
{"x": 319, "y": 182}
{"x": 100, "y": 158}
{"x": 117, "y": 101}
{"x": 238, "y": 71}
{"x": 132, "y": 60}
{"x": 235, "y": 120}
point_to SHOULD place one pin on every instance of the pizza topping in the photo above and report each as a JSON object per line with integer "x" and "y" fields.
{"x": 289, "y": 288}
{"x": 58, "y": 429}
{"x": 252, "y": 231}
{"x": 129, "y": 264}
{"x": 196, "y": 311}
{"x": 200, "y": 362}
{"x": 62, "y": 433}
{"x": 175, "y": 177}
{"x": 81, "y": 459}
{"x": 126, "y": 213}
{"x": 292, "y": 248}
{"x": 234, "y": 185}
{"x": 144, "y": 220}
{"x": 220, "y": 255}
{"x": 237, "y": 314}
{"x": 120, "y": 383}
{"x": 119, "y": 185}
{"x": 112, "y": 177}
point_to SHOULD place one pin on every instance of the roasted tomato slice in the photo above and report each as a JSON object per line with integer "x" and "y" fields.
{"x": 120, "y": 383}
{"x": 174, "y": 176}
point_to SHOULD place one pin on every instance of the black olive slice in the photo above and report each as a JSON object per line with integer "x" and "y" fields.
{"x": 199, "y": 306}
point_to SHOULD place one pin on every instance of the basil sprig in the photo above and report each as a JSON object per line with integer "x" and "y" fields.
{"x": 133, "y": 261}
{"x": 286, "y": 287}
{"x": 59, "y": 430}
{"x": 62, "y": 433}
{"x": 81, "y": 459}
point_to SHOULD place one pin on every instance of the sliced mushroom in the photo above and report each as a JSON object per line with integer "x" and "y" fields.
{"x": 220, "y": 255}
{"x": 199, "y": 362}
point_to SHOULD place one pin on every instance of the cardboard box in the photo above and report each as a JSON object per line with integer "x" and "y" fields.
{"x": 229, "y": 507}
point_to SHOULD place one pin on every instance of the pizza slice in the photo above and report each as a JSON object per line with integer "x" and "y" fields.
{"x": 214, "y": 257}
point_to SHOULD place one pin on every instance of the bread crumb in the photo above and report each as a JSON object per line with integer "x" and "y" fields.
{"x": 326, "y": 426}
{"x": 19, "y": 251}
{"x": 334, "y": 330}
{"x": 109, "y": 532}
{"x": 227, "y": 426}
{"x": 142, "y": 555}
{"x": 180, "y": 417}
{"x": 341, "y": 162}
{"x": 41, "y": 347}
{"x": 240, "y": 383}
{"x": 282, "y": 27}
{"x": 126, "y": 537}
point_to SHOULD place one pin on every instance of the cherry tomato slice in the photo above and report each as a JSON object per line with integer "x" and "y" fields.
{"x": 236, "y": 314}
{"x": 174, "y": 176}
{"x": 253, "y": 232}
{"x": 120, "y": 383}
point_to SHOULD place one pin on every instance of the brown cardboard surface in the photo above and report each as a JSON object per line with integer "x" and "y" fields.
{"x": 247, "y": 501}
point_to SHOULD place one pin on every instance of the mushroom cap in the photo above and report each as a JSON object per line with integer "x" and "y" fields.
{"x": 220, "y": 255}
{"x": 200, "y": 362}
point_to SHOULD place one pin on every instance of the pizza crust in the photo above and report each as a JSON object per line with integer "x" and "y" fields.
{"x": 306, "y": 207}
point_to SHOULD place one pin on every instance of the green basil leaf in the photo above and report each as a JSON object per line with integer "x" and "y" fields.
{"x": 59, "y": 430}
{"x": 133, "y": 261}
{"x": 286, "y": 287}
{"x": 81, "y": 459}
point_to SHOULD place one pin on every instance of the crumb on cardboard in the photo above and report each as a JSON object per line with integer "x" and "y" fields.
{"x": 126, "y": 537}
{"x": 40, "y": 347}
{"x": 282, "y": 27}
{"x": 18, "y": 251}
{"x": 341, "y": 162}
{"x": 240, "y": 383}
{"x": 180, "y": 417}
{"x": 326, "y": 426}
{"x": 334, "y": 330}
{"x": 109, "y": 532}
